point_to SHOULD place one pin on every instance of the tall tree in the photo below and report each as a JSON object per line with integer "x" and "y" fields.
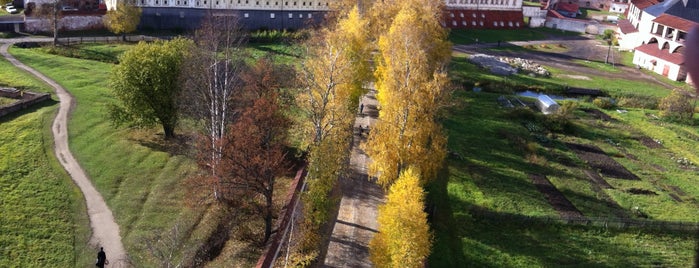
{"x": 411, "y": 81}
{"x": 332, "y": 75}
{"x": 253, "y": 155}
{"x": 53, "y": 13}
{"x": 123, "y": 19}
{"x": 404, "y": 238}
{"x": 211, "y": 80}
{"x": 145, "y": 84}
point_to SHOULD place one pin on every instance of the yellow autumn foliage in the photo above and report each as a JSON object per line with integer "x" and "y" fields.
{"x": 404, "y": 239}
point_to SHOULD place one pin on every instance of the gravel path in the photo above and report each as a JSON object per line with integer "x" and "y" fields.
{"x": 105, "y": 231}
{"x": 356, "y": 220}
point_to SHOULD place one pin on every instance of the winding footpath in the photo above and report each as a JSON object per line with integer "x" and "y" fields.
{"x": 105, "y": 231}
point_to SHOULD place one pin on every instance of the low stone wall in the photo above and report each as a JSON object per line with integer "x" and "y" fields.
{"x": 68, "y": 23}
{"x": 577, "y": 25}
{"x": 26, "y": 100}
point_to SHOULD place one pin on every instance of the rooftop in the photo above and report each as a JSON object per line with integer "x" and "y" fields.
{"x": 652, "y": 50}
{"x": 675, "y": 22}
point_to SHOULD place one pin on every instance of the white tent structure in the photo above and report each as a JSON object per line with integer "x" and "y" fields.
{"x": 547, "y": 105}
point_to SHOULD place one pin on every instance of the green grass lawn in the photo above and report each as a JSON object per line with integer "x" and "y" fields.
{"x": 42, "y": 220}
{"x": 140, "y": 176}
{"x": 139, "y": 181}
{"x": 465, "y": 72}
{"x": 459, "y": 36}
{"x": 494, "y": 150}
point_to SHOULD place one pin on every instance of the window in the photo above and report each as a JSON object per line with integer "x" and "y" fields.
{"x": 474, "y": 15}
{"x": 517, "y": 24}
{"x": 267, "y": 3}
{"x": 157, "y": 2}
{"x": 473, "y": 23}
{"x": 304, "y": 3}
{"x": 483, "y": 15}
{"x": 143, "y": 2}
{"x": 453, "y": 23}
{"x": 464, "y": 23}
{"x": 481, "y": 23}
{"x": 246, "y": 15}
{"x": 300, "y": 16}
{"x": 509, "y": 24}
{"x": 502, "y": 23}
{"x": 310, "y": 15}
{"x": 271, "y": 15}
{"x": 495, "y": 23}
{"x": 291, "y": 16}
{"x": 294, "y": 3}
{"x": 178, "y": 3}
{"x": 451, "y": 15}
{"x": 461, "y": 15}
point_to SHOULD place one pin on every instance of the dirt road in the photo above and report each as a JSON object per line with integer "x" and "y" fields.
{"x": 105, "y": 231}
{"x": 356, "y": 220}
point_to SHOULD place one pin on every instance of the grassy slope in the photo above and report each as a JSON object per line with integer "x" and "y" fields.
{"x": 42, "y": 222}
{"x": 138, "y": 181}
{"x": 491, "y": 174}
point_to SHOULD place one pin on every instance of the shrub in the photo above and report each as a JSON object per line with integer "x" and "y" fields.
{"x": 678, "y": 106}
{"x": 635, "y": 101}
{"x": 603, "y": 103}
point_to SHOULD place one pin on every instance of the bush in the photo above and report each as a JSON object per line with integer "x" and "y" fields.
{"x": 678, "y": 106}
{"x": 634, "y": 101}
{"x": 603, "y": 103}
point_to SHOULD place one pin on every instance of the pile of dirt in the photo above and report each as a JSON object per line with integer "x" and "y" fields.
{"x": 640, "y": 191}
{"x": 597, "y": 114}
{"x": 557, "y": 200}
{"x": 598, "y": 160}
{"x": 650, "y": 143}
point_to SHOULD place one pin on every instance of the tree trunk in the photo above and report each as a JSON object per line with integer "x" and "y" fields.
{"x": 169, "y": 131}
{"x": 268, "y": 216}
{"x": 123, "y": 37}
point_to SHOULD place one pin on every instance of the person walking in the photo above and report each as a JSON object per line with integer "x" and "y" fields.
{"x": 361, "y": 108}
{"x": 101, "y": 258}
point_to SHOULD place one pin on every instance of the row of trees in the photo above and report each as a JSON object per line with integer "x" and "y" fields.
{"x": 406, "y": 145}
{"x": 242, "y": 122}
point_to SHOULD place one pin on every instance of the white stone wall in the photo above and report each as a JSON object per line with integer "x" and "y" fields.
{"x": 580, "y": 26}
{"x": 644, "y": 60}
{"x": 69, "y": 23}
{"x": 630, "y": 41}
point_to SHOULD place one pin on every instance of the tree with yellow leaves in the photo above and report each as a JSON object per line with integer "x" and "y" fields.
{"x": 332, "y": 75}
{"x": 411, "y": 81}
{"x": 404, "y": 238}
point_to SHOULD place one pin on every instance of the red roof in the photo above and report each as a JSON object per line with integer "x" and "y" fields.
{"x": 626, "y": 27}
{"x": 643, "y": 4}
{"x": 572, "y": 8}
{"x": 675, "y": 22}
{"x": 652, "y": 50}
{"x": 474, "y": 19}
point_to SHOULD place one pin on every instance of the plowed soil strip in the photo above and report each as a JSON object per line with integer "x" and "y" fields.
{"x": 598, "y": 160}
{"x": 557, "y": 200}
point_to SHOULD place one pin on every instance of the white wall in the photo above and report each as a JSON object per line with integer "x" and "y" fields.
{"x": 579, "y": 26}
{"x": 69, "y": 23}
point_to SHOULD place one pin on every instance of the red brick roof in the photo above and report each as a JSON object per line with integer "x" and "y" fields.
{"x": 675, "y": 22}
{"x": 652, "y": 50}
{"x": 643, "y": 4}
{"x": 572, "y": 8}
{"x": 626, "y": 27}
{"x": 483, "y": 19}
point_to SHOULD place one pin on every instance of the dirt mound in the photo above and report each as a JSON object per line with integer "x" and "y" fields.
{"x": 650, "y": 143}
{"x": 597, "y": 114}
{"x": 640, "y": 191}
{"x": 598, "y": 160}
{"x": 557, "y": 200}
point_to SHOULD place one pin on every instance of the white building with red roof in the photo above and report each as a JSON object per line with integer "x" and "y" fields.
{"x": 657, "y": 31}
{"x": 483, "y": 14}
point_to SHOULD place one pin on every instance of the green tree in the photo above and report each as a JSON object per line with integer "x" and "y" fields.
{"x": 123, "y": 19}
{"x": 404, "y": 238}
{"x": 145, "y": 84}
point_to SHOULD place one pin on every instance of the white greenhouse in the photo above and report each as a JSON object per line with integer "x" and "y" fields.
{"x": 546, "y": 104}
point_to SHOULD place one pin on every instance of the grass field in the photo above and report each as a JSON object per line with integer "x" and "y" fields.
{"x": 458, "y": 36}
{"x": 138, "y": 175}
{"x": 488, "y": 213}
{"x": 468, "y": 73}
{"x": 42, "y": 219}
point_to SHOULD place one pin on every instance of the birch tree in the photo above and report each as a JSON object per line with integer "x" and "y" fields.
{"x": 411, "y": 81}
{"x": 211, "y": 78}
{"x": 404, "y": 238}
